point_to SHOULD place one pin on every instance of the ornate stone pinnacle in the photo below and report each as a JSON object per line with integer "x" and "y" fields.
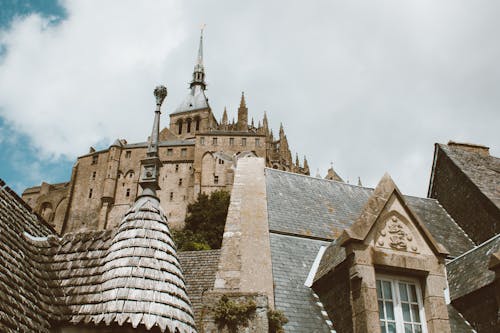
{"x": 160, "y": 94}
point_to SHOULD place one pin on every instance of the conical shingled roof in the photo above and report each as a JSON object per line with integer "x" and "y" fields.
{"x": 142, "y": 281}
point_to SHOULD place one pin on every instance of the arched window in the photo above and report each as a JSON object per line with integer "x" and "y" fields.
{"x": 179, "y": 125}
{"x": 197, "y": 123}
{"x": 188, "y": 126}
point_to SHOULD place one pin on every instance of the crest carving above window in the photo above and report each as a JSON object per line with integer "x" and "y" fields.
{"x": 396, "y": 235}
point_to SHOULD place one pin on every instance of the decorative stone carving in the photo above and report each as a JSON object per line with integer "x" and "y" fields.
{"x": 396, "y": 235}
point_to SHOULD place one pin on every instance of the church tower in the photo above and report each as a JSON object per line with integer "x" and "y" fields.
{"x": 194, "y": 115}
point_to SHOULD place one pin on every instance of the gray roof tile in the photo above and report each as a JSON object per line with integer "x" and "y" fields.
{"x": 292, "y": 258}
{"x": 199, "y": 268}
{"x": 483, "y": 170}
{"x": 322, "y": 208}
{"x": 470, "y": 272}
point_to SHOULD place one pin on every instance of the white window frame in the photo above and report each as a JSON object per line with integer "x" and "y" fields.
{"x": 398, "y": 311}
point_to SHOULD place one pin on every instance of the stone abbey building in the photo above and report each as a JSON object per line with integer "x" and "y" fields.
{"x": 198, "y": 154}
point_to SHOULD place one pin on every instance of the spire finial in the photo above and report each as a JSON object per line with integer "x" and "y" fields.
{"x": 200, "y": 47}
{"x": 151, "y": 164}
{"x": 242, "y": 101}
{"x": 199, "y": 70}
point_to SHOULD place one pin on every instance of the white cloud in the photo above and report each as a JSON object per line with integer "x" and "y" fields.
{"x": 91, "y": 76}
{"x": 368, "y": 85}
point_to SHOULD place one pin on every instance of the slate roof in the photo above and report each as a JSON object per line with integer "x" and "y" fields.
{"x": 483, "y": 170}
{"x": 195, "y": 100}
{"x": 457, "y": 322}
{"x": 27, "y": 311}
{"x": 320, "y": 208}
{"x": 199, "y": 268}
{"x": 292, "y": 258}
{"x": 126, "y": 275}
{"x": 470, "y": 272}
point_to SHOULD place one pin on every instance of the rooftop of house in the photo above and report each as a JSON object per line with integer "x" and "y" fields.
{"x": 306, "y": 213}
{"x": 322, "y": 209}
{"x": 130, "y": 275}
{"x": 478, "y": 165}
{"x": 469, "y": 272}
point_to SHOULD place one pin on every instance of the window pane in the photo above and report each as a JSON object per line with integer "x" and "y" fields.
{"x": 387, "y": 290}
{"x": 418, "y": 328}
{"x": 408, "y": 328}
{"x": 379, "y": 289}
{"x": 381, "y": 309}
{"x": 406, "y": 312}
{"x": 389, "y": 310}
{"x": 391, "y": 327}
{"x": 414, "y": 313}
{"x": 382, "y": 327}
{"x": 413, "y": 293}
{"x": 403, "y": 292}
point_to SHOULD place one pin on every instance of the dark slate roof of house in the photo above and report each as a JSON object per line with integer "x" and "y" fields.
{"x": 199, "y": 268}
{"x": 26, "y": 311}
{"x": 320, "y": 208}
{"x": 128, "y": 275}
{"x": 458, "y": 324}
{"x": 483, "y": 170}
{"x": 469, "y": 272}
{"x": 292, "y": 258}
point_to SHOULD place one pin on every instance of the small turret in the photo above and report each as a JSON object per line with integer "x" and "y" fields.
{"x": 265, "y": 124}
{"x": 332, "y": 175}
{"x": 224, "y": 117}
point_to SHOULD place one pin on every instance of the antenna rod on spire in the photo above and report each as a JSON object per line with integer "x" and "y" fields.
{"x": 150, "y": 166}
{"x": 200, "y": 48}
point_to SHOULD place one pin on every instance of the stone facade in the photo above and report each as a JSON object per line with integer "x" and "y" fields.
{"x": 198, "y": 154}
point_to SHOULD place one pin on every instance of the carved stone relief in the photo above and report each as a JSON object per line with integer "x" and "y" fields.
{"x": 395, "y": 234}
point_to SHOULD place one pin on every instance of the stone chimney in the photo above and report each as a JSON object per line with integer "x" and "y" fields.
{"x": 482, "y": 150}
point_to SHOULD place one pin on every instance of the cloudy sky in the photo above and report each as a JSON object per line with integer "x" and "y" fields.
{"x": 367, "y": 85}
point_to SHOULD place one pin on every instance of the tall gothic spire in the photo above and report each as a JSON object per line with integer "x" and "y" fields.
{"x": 151, "y": 164}
{"x": 199, "y": 69}
{"x": 242, "y": 114}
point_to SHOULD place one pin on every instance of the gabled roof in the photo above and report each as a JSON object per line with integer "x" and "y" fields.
{"x": 386, "y": 188}
{"x": 322, "y": 209}
{"x": 469, "y": 272}
{"x": 478, "y": 165}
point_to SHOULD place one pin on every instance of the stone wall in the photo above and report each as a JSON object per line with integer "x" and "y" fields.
{"x": 257, "y": 322}
{"x": 245, "y": 261}
{"x": 334, "y": 292}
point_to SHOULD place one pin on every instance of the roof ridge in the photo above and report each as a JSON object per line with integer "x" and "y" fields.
{"x": 323, "y": 179}
{"x": 475, "y": 248}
